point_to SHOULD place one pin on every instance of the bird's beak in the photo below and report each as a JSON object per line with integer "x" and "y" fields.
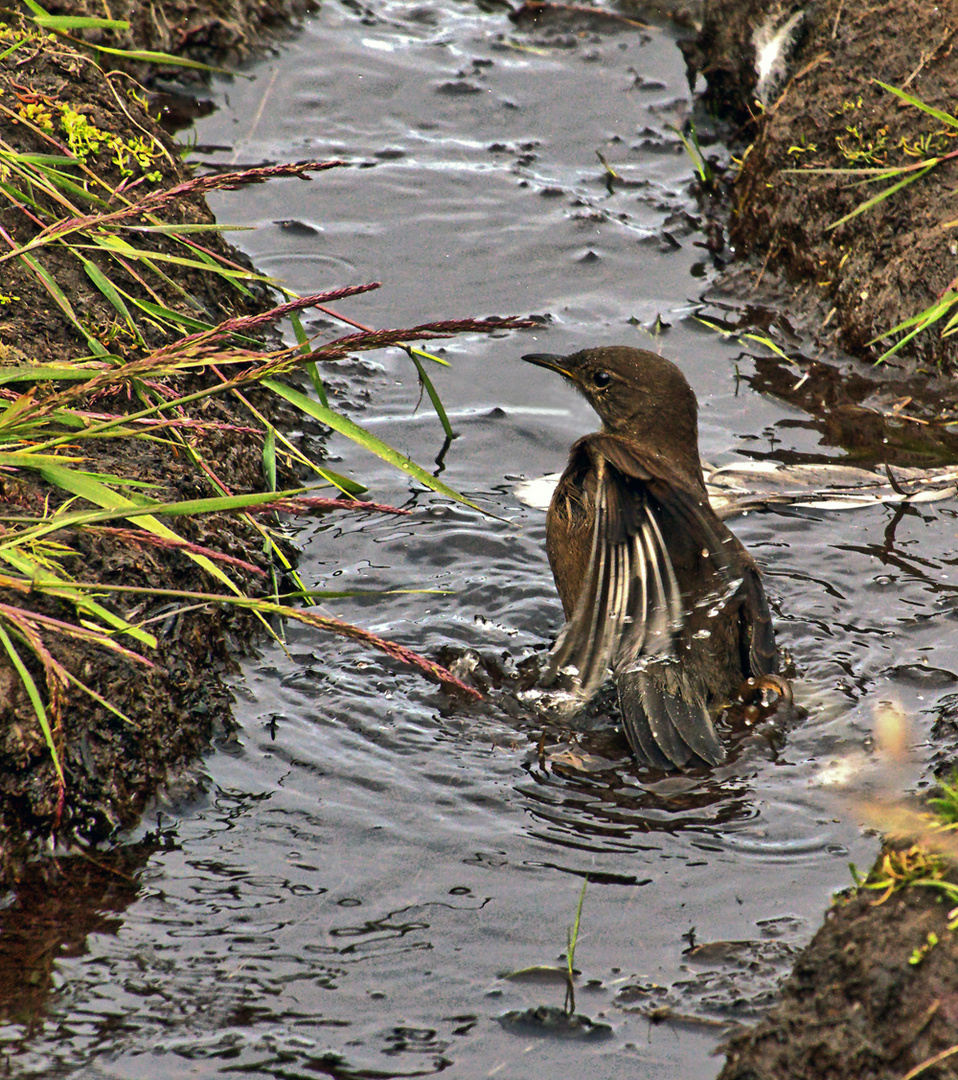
{"x": 550, "y": 361}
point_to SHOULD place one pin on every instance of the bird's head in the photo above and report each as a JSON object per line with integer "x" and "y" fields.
{"x": 637, "y": 394}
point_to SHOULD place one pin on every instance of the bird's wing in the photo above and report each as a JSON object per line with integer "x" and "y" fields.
{"x": 630, "y": 606}
{"x": 665, "y": 717}
{"x": 629, "y": 602}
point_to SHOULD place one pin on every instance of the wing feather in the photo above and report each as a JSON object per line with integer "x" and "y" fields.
{"x": 630, "y": 611}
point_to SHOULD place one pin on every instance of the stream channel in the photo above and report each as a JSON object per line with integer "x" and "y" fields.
{"x": 360, "y": 865}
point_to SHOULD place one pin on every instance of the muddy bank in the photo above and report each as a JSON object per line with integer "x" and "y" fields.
{"x": 874, "y": 996}
{"x": 138, "y": 366}
{"x": 820, "y": 132}
{"x": 54, "y": 312}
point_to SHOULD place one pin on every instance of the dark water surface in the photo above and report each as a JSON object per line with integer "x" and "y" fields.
{"x": 371, "y": 858}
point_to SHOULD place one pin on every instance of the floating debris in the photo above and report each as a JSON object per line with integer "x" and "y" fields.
{"x": 755, "y": 485}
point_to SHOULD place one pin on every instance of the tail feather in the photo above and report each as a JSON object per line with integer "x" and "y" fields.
{"x": 666, "y": 719}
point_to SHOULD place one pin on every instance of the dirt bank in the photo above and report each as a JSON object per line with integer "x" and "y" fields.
{"x": 818, "y": 133}
{"x": 216, "y": 32}
{"x": 874, "y": 996}
{"x": 54, "y": 312}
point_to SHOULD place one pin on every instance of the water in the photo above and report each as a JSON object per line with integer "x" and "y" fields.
{"x": 367, "y": 858}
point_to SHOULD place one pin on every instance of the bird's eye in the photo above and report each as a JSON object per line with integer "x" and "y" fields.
{"x": 601, "y": 379}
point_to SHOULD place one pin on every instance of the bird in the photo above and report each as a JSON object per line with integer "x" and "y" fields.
{"x": 654, "y": 586}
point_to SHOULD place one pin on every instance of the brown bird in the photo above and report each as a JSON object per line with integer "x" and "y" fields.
{"x": 654, "y": 586}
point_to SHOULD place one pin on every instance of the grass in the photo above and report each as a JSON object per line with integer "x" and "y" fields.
{"x": 61, "y": 25}
{"x": 943, "y": 313}
{"x": 703, "y": 170}
{"x": 567, "y": 974}
{"x": 572, "y": 941}
{"x": 928, "y": 862}
{"x": 159, "y": 358}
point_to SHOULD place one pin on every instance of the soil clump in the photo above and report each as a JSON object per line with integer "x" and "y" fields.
{"x": 874, "y": 996}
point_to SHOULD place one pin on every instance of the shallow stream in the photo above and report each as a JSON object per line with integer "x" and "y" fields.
{"x": 369, "y": 857}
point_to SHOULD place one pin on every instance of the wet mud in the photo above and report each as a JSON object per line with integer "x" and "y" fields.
{"x": 817, "y": 134}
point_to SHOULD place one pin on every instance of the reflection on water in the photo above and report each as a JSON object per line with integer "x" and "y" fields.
{"x": 373, "y": 857}
{"x": 55, "y": 908}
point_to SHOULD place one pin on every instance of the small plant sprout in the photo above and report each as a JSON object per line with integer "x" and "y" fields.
{"x": 919, "y": 953}
{"x": 573, "y": 938}
{"x": 691, "y": 143}
{"x": 552, "y": 973}
{"x": 929, "y": 151}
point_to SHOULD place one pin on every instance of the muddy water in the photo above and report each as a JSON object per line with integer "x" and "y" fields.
{"x": 367, "y": 859}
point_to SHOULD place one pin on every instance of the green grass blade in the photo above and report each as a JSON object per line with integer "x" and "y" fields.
{"x": 312, "y": 370}
{"x": 27, "y": 459}
{"x": 768, "y": 343}
{"x": 574, "y": 932}
{"x": 919, "y": 320}
{"x": 433, "y": 395}
{"x": 337, "y": 480}
{"x": 54, "y": 586}
{"x": 56, "y": 180}
{"x": 899, "y": 344}
{"x": 35, "y": 700}
{"x": 269, "y": 458}
{"x": 918, "y": 323}
{"x": 165, "y": 59}
{"x": 45, "y": 19}
{"x": 47, "y": 373}
{"x": 171, "y": 229}
{"x": 426, "y": 355}
{"x": 363, "y": 438}
{"x": 117, "y": 246}
{"x": 108, "y": 289}
{"x": 35, "y": 159}
{"x": 945, "y": 118}
{"x": 120, "y": 507}
{"x": 169, "y": 315}
{"x": 16, "y": 410}
{"x": 302, "y": 338}
{"x": 63, "y": 303}
{"x": 101, "y": 700}
{"x": 13, "y": 48}
{"x": 883, "y": 194}
{"x": 78, "y": 22}
{"x": 84, "y": 485}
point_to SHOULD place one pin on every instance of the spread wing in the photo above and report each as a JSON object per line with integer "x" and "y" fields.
{"x": 630, "y": 608}
{"x": 630, "y": 603}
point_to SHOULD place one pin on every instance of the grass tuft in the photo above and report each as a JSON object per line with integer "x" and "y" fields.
{"x": 147, "y": 360}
